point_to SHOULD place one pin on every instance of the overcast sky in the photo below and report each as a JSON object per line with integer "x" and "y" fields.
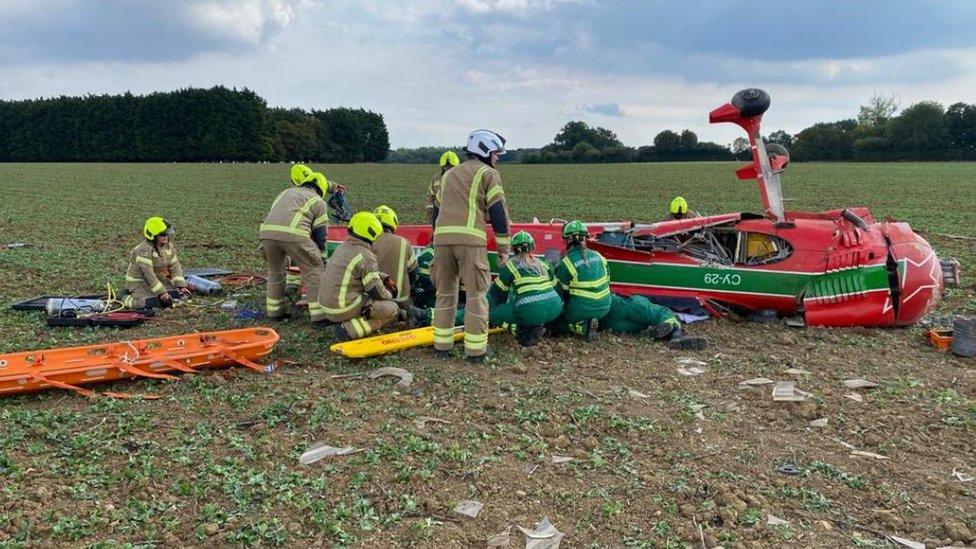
{"x": 437, "y": 69}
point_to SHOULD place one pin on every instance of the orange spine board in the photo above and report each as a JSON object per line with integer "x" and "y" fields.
{"x": 70, "y": 367}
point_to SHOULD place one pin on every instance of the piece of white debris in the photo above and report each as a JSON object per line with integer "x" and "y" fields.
{"x": 855, "y": 397}
{"x": 637, "y": 394}
{"x": 320, "y": 450}
{"x": 698, "y": 410}
{"x": 756, "y": 381}
{"x": 500, "y": 540}
{"x": 868, "y": 454}
{"x": 798, "y": 372}
{"x": 530, "y": 468}
{"x": 859, "y": 384}
{"x": 773, "y": 520}
{"x": 786, "y": 391}
{"x": 545, "y": 535}
{"x": 558, "y": 460}
{"x": 819, "y": 422}
{"x": 907, "y": 542}
{"x": 962, "y": 477}
{"x": 691, "y": 372}
{"x": 469, "y": 508}
{"x": 406, "y": 378}
{"x": 690, "y": 361}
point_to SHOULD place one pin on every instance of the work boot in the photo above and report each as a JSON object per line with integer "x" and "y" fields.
{"x": 678, "y": 341}
{"x": 592, "y": 326}
{"x": 281, "y": 318}
{"x": 322, "y": 325}
{"x": 664, "y": 330}
{"x": 480, "y": 359}
{"x": 442, "y": 354}
{"x": 339, "y": 334}
{"x": 686, "y": 343}
{"x": 529, "y": 336}
{"x": 417, "y": 317}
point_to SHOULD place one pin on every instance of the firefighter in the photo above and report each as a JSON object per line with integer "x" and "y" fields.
{"x": 154, "y": 269}
{"x": 679, "y": 210}
{"x": 354, "y": 294}
{"x": 524, "y": 293}
{"x": 448, "y": 160}
{"x": 584, "y": 282}
{"x": 296, "y": 228}
{"x": 396, "y": 259}
{"x": 422, "y": 291}
{"x": 636, "y": 314}
{"x": 470, "y": 195}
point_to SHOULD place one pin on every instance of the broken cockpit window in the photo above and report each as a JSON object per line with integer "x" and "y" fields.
{"x": 717, "y": 244}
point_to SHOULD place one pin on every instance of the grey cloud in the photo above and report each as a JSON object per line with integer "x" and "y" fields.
{"x": 606, "y": 109}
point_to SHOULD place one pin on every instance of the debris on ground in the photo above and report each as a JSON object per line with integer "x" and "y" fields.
{"x": 502, "y": 539}
{"x": 320, "y": 450}
{"x": 637, "y": 394}
{"x": 557, "y": 460}
{"x": 755, "y": 382}
{"x": 798, "y": 372}
{"x": 868, "y": 454}
{"x": 962, "y": 477}
{"x": 422, "y": 421}
{"x": 855, "y": 397}
{"x": 691, "y": 371}
{"x": 530, "y": 468}
{"x": 789, "y": 469}
{"x": 469, "y": 508}
{"x": 907, "y": 542}
{"x": 773, "y": 520}
{"x": 698, "y": 410}
{"x": 545, "y": 535}
{"x": 786, "y": 391}
{"x": 819, "y": 422}
{"x": 17, "y": 245}
{"x": 859, "y": 384}
{"x": 406, "y": 378}
{"x": 690, "y": 361}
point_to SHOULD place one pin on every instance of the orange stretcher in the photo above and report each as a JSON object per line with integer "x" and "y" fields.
{"x": 70, "y": 367}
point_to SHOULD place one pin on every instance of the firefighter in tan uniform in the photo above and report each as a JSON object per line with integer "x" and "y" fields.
{"x": 296, "y": 229}
{"x": 396, "y": 259}
{"x": 448, "y": 160}
{"x": 154, "y": 269}
{"x": 354, "y": 294}
{"x": 470, "y": 196}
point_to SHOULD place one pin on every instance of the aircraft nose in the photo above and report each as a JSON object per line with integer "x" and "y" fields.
{"x": 918, "y": 270}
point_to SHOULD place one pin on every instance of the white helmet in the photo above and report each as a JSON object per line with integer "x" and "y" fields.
{"x": 483, "y": 142}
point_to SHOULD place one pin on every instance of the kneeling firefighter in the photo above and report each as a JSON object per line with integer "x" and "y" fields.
{"x": 354, "y": 294}
{"x": 296, "y": 228}
{"x": 154, "y": 269}
{"x": 584, "y": 283}
{"x": 636, "y": 314}
{"x": 524, "y": 293}
{"x": 395, "y": 258}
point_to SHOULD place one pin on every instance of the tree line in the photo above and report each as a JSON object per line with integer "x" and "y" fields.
{"x": 187, "y": 125}
{"x": 923, "y": 131}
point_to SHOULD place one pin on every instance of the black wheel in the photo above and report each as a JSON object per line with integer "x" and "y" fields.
{"x": 964, "y": 337}
{"x": 751, "y": 102}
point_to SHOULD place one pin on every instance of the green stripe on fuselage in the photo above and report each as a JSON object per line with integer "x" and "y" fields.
{"x": 747, "y": 281}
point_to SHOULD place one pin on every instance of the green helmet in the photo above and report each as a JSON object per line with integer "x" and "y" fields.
{"x": 523, "y": 242}
{"x": 575, "y": 228}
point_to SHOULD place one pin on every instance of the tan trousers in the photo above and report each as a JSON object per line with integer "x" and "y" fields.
{"x": 469, "y": 265}
{"x": 382, "y": 313}
{"x": 308, "y": 258}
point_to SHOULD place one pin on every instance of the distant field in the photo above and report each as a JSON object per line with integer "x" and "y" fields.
{"x": 215, "y": 461}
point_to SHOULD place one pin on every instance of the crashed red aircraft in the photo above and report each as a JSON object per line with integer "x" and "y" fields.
{"x": 833, "y": 268}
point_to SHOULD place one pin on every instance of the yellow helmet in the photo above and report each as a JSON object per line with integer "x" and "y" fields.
{"x": 154, "y": 227}
{"x": 449, "y": 158}
{"x": 387, "y": 217}
{"x": 679, "y": 206}
{"x": 365, "y": 226}
{"x": 319, "y": 181}
{"x": 299, "y": 172}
